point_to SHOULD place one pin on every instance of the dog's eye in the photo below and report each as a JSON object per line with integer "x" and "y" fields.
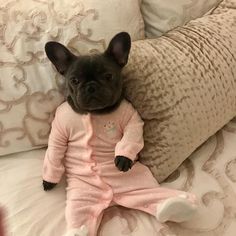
{"x": 108, "y": 76}
{"x": 74, "y": 80}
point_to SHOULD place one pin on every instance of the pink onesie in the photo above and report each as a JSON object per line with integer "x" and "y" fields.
{"x": 84, "y": 147}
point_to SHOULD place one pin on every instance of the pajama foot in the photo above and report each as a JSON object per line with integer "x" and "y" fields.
{"x": 176, "y": 209}
{"x": 82, "y": 231}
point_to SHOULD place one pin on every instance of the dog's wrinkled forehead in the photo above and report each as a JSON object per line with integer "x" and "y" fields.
{"x": 91, "y": 66}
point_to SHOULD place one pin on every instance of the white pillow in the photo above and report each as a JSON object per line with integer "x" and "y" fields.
{"x": 161, "y": 16}
{"x": 29, "y": 85}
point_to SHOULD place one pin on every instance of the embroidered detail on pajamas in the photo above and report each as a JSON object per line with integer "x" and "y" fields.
{"x": 110, "y": 129}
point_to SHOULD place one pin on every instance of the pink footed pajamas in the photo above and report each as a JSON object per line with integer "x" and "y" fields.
{"x": 84, "y": 147}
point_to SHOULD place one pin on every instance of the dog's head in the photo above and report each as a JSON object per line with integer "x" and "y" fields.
{"x": 93, "y": 82}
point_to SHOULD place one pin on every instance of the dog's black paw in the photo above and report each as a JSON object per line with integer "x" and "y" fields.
{"x": 123, "y": 163}
{"x": 48, "y": 186}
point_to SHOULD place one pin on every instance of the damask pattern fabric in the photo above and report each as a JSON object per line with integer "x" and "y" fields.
{"x": 161, "y": 16}
{"x": 210, "y": 173}
{"x": 30, "y": 87}
{"x": 183, "y": 85}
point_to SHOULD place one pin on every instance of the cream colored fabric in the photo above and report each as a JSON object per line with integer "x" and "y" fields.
{"x": 29, "y": 85}
{"x": 161, "y": 16}
{"x": 183, "y": 84}
{"x": 209, "y": 173}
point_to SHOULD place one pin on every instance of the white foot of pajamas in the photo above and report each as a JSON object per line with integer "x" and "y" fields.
{"x": 84, "y": 147}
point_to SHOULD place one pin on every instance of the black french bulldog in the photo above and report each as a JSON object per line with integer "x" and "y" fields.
{"x": 93, "y": 82}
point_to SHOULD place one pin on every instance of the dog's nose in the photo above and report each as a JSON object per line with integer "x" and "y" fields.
{"x": 90, "y": 89}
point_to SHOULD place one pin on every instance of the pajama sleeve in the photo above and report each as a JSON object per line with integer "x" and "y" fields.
{"x": 53, "y": 167}
{"x": 132, "y": 141}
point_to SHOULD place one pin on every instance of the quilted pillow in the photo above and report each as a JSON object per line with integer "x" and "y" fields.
{"x": 161, "y": 16}
{"x": 184, "y": 86}
{"x": 30, "y": 87}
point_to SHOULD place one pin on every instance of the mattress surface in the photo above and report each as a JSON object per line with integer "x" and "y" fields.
{"x": 209, "y": 173}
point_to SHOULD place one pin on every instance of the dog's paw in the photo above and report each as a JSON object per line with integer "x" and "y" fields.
{"x": 123, "y": 163}
{"x": 48, "y": 186}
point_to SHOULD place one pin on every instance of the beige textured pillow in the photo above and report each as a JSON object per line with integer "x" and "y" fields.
{"x": 28, "y": 83}
{"x": 161, "y": 16}
{"x": 184, "y": 86}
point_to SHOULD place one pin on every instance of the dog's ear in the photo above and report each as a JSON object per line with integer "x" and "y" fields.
{"x": 119, "y": 48}
{"x": 59, "y": 55}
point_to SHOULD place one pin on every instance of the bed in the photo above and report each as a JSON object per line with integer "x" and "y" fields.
{"x": 209, "y": 173}
{"x": 206, "y": 47}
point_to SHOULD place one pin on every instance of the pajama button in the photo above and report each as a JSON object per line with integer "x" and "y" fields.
{"x": 118, "y": 197}
{"x": 93, "y": 168}
{"x": 103, "y": 201}
{"x": 93, "y": 164}
{"x": 92, "y": 216}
